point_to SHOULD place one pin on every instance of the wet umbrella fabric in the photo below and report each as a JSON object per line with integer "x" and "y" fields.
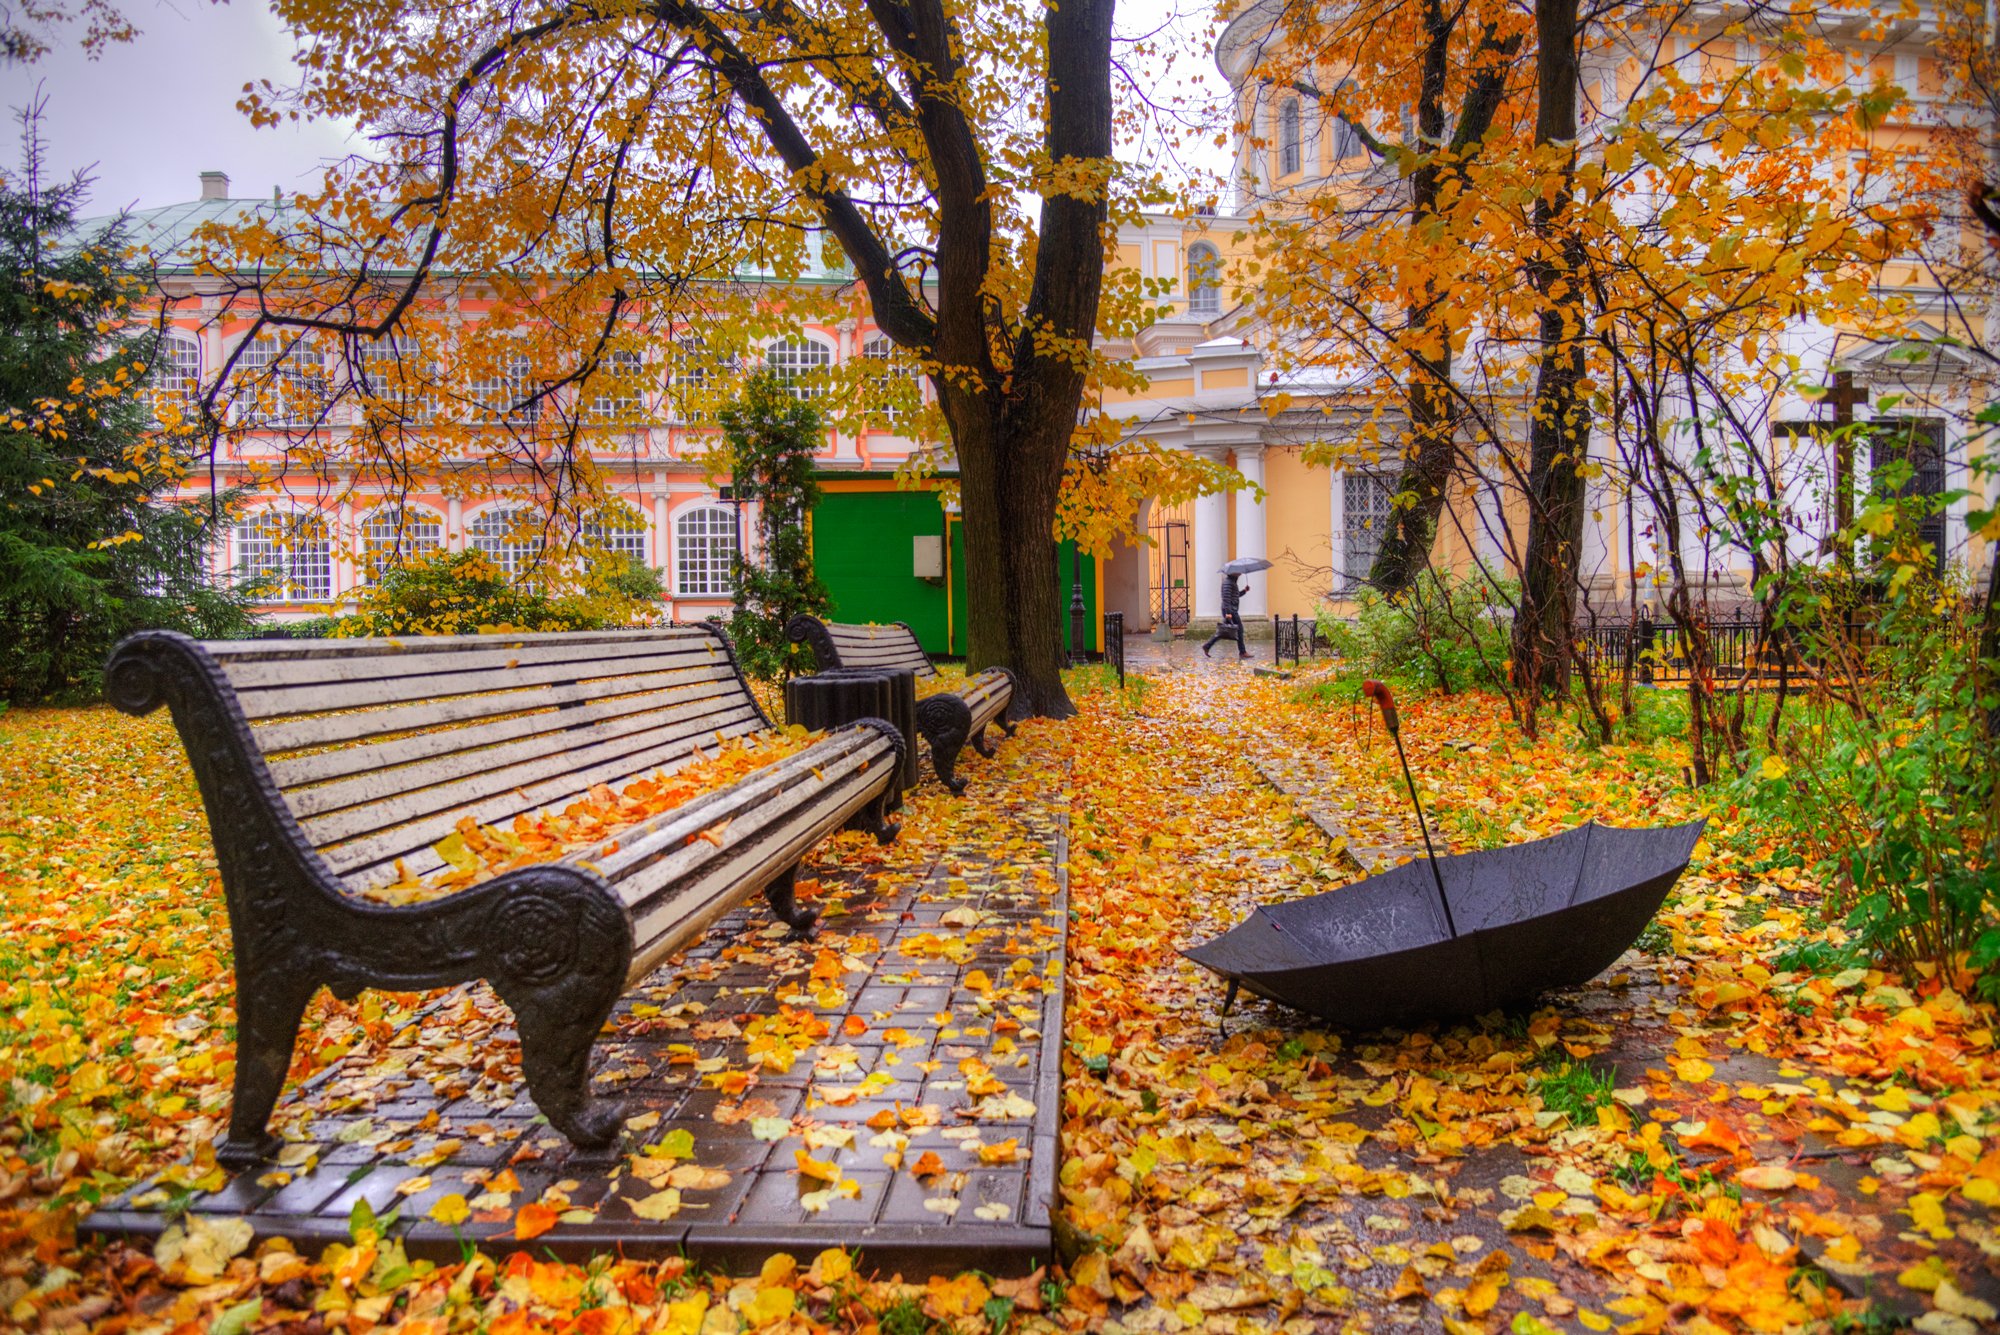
{"x": 1553, "y": 912}
{"x": 1246, "y": 565}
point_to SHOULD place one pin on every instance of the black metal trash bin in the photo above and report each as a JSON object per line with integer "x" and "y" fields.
{"x": 831, "y": 699}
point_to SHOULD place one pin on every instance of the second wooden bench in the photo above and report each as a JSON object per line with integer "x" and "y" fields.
{"x": 946, "y": 718}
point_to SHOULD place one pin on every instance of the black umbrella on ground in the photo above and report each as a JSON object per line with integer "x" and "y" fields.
{"x": 1449, "y": 937}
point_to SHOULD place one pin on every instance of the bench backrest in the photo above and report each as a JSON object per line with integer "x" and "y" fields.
{"x": 380, "y": 746}
{"x": 893, "y": 645}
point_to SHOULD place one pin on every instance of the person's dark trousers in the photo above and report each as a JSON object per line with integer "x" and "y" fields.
{"x": 1229, "y": 629}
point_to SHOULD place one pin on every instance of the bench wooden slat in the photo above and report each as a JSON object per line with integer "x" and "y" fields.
{"x": 251, "y": 678}
{"x": 382, "y": 831}
{"x": 446, "y": 682}
{"x": 566, "y": 732}
{"x": 297, "y": 733}
{"x": 325, "y": 766}
{"x": 230, "y": 652}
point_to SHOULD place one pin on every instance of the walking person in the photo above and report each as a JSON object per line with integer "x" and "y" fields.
{"x": 1231, "y": 626}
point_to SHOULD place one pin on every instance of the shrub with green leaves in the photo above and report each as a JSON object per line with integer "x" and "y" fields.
{"x": 463, "y": 593}
{"x": 1442, "y": 633}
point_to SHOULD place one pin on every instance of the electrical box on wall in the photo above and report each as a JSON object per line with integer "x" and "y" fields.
{"x": 927, "y": 557}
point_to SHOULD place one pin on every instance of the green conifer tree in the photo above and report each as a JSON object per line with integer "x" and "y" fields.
{"x": 771, "y": 436}
{"x": 88, "y": 550}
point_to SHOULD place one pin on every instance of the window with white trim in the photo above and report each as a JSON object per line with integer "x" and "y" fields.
{"x": 700, "y": 377}
{"x": 509, "y": 537}
{"x": 396, "y": 535}
{"x": 1289, "y": 137}
{"x": 1366, "y": 503}
{"x": 279, "y": 384}
{"x": 704, "y": 552}
{"x": 626, "y": 538}
{"x": 503, "y": 392}
{"x": 619, "y": 390}
{"x": 901, "y": 393}
{"x": 800, "y": 364}
{"x": 288, "y": 553}
{"x": 177, "y": 366}
{"x": 1204, "y": 279}
{"x": 392, "y": 376}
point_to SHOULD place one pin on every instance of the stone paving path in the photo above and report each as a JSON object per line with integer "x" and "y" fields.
{"x": 892, "y": 1086}
{"x": 1642, "y": 1005}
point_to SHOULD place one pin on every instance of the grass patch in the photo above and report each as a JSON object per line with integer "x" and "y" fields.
{"x": 1574, "y": 1088}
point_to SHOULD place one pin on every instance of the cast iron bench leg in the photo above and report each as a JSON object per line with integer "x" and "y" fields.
{"x": 980, "y": 742}
{"x": 785, "y": 908}
{"x": 945, "y": 721}
{"x": 268, "y": 1012}
{"x": 1005, "y": 718}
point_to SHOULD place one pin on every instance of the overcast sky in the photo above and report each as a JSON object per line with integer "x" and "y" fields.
{"x": 149, "y": 116}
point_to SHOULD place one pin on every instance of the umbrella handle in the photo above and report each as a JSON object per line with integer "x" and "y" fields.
{"x": 1385, "y": 700}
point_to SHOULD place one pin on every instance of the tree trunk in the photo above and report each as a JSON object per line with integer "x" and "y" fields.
{"x": 1559, "y": 431}
{"x": 1008, "y": 513}
{"x": 1412, "y": 528}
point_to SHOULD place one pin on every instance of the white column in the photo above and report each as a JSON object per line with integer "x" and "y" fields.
{"x": 1211, "y": 549}
{"x": 347, "y": 551}
{"x": 1250, "y": 529}
{"x": 663, "y": 533}
{"x": 454, "y": 524}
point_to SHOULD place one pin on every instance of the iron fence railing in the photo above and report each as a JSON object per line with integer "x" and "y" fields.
{"x": 1296, "y": 639}
{"x": 1659, "y": 651}
{"x": 1114, "y": 644}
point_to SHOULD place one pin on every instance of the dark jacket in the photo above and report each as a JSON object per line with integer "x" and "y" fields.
{"x": 1232, "y": 598}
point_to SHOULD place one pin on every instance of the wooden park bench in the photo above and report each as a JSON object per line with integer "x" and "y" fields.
{"x": 333, "y": 770}
{"x": 946, "y": 718}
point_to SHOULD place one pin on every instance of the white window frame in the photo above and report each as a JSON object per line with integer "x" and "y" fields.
{"x": 495, "y": 532}
{"x": 274, "y": 542}
{"x": 500, "y": 393}
{"x": 414, "y": 403}
{"x": 1204, "y": 279}
{"x": 618, "y": 391}
{"x": 410, "y": 532}
{"x": 177, "y": 373}
{"x": 1291, "y": 137}
{"x": 1358, "y": 523}
{"x": 800, "y": 363}
{"x": 299, "y": 380}
{"x": 704, "y": 552}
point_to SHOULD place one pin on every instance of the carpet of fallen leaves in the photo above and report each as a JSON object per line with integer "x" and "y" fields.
{"x": 1277, "y": 1175}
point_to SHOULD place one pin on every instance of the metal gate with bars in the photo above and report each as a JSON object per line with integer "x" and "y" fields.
{"x": 1170, "y": 584}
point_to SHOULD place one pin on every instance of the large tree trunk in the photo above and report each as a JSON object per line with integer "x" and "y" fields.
{"x": 1559, "y": 431}
{"x": 1433, "y": 407}
{"x": 1008, "y": 496}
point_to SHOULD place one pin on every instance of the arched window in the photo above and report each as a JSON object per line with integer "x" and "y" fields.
{"x": 1346, "y": 143}
{"x": 394, "y": 380}
{"x": 619, "y": 396}
{"x": 177, "y": 367}
{"x": 704, "y": 548}
{"x": 900, "y": 393}
{"x": 1288, "y": 137}
{"x": 503, "y": 391}
{"x": 287, "y": 554}
{"x": 396, "y": 535}
{"x": 511, "y": 539}
{"x": 702, "y": 376}
{"x": 279, "y": 384}
{"x": 627, "y": 537}
{"x": 1204, "y": 279}
{"x": 800, "y": 363}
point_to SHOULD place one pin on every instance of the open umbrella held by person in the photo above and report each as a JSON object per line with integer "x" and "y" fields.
{"x": 1231, "y": 625}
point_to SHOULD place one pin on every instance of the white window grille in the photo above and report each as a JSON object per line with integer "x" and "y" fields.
{"x": 280, "y": 385}
{"x": 901, "y": 391}
{"x": 623, "y": 539}
{"x": 177, "y": 367}
{"x": 1204, "y": 279}
{"x": 619, "y": 390}
{"x": 395, "y": 535}
{"x": 1346, "y": 143}
{"x": 700, "y": 377}
{"x": 1289, "y": 155}
{"x": 704, "y": 551}
{"x": 800, "y": 364}
{"x": 510, "y": 538}
{"x": 392, "y": 376}
{"x": 288, "y": 554}
{"x": 1366, "y": 501}
{"x": 502, "y": 393}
